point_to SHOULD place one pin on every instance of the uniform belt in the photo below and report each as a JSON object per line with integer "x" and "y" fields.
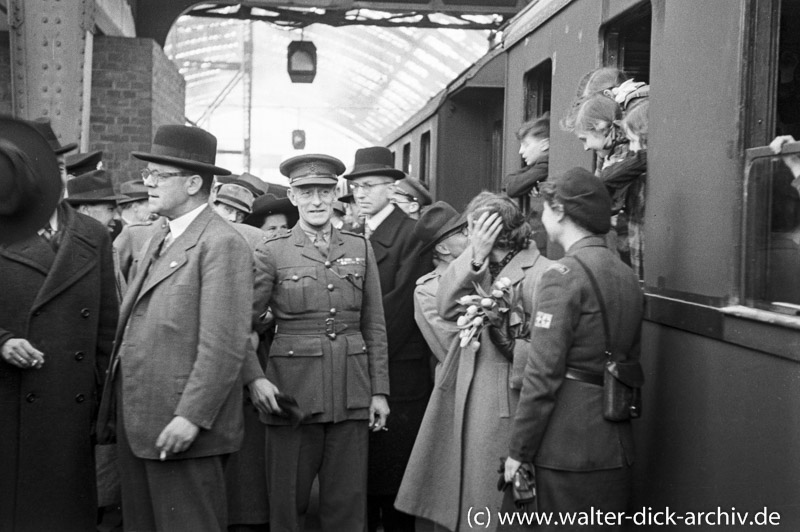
{"x": 330, "y": 327}
{"x": 589, "y": 377}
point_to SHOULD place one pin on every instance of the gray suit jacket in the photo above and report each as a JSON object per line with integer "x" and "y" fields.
{"x": 182, "y": 336}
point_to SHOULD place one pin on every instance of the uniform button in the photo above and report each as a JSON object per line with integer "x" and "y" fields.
{"x": 290, "y": 353}
{"x": 80, "y": 398}
{"x": 332, "y": 336}
{"x": 327, "y": 264}
{"x": 333, "y": 312}
{"x": 364, "y": 348}
{"x": 31, "y": 397}
{"x": 295, "y": 277}
{"x": 79, "y": 355}
{"x": 330, "y": 287}
{"x": 85, "y": 312}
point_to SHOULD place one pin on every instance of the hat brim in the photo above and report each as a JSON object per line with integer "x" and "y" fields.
{"x": 64, "y": 149}
{"x": 123, "y": 200}
{"x": 388, "y": 172}
{"x": 449, "y": 227}
{"x": 73, "y": 200}
{"x": 313, "y": 180}
{"x": 278, "y": 206}
{"x": 47, "y": 177}
{"x": 178, "y": 162}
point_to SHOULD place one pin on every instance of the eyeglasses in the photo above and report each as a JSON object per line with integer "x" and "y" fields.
{"x": 367, "y": 187}
{"x": 157, "y": 176}
{"x": 306, "y": 193}
{"x": 406, "y": 198}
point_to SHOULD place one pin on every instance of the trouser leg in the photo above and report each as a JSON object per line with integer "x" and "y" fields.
{"x": 343, "y": 477}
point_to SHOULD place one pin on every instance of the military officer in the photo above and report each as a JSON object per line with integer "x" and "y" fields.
{"x": 329, "y": 353}
{"x": 581, "y": 459}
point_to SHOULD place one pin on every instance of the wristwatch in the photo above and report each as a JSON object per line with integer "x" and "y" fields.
{"x": 476, "y": 265}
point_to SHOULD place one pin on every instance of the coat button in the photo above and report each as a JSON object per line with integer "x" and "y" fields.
{"x": 364, "y": 348}
{"x": 80, "y": 398}
{"x": 290, "y": 353}
{"x": 31, "y": 397}
{"x": 330, "y": 287}
{"x": 295, "y": 278}
{"x": 327, "y": 264}
{"x": 79, "y": 355}
{"x": 333, "y": 312}
{"x": 85, "y": 312}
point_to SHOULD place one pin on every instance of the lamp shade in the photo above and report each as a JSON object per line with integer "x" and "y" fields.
{"x": 302, "y": 61}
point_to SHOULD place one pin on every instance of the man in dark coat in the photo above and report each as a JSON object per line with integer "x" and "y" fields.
{"x": 57, "y": 320}
{"x": 400, "y": 263}
{"x": 582, "y": 460}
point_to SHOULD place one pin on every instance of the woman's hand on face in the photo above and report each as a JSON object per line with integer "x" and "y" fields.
{"x": 483, "y": 233}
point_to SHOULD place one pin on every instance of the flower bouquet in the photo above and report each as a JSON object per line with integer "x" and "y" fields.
{"x": 484, "y": 308}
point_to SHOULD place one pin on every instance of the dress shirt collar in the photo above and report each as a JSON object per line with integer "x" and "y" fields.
{"x": 377, "y": 219}
{"x": 178, "y": 226}
{"x": 312, "y": 233}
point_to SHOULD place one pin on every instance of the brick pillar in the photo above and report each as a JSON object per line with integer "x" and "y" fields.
{"x": 135, "y": 89}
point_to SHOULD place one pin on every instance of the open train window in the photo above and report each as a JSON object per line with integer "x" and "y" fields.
{"x": 626, "y": 42}
{"x": 772, "y": 231}
{"x": 407, "y": 158}
{"x": 424, "y": 156}
{"x": 538, "y": 82}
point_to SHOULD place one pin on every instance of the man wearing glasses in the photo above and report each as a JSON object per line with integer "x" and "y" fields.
{"x": 401, "y": 262}
{"x": 174, "y": 381}
{"x": 411, "y": 196}
{"x": 328, "y": 353}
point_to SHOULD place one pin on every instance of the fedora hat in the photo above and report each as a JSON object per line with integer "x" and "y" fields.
{"x": 44, "y": 128}
{"x": 94, "y": 187}
{"x": 438, "y": 221}
{"x": 236, "y": 196}
{"x": 376, "y": 160}
{"x": 312, "y": 169}
{"x": 130, "y": 191}
{"x": 188, "y": 147}
{"x": 30, "y": 182}
{"x": 82, "y": 163}
{"x": 268, "y": 204}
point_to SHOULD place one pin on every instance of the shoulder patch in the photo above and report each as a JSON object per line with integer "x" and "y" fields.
{"x": 560, "y": 268}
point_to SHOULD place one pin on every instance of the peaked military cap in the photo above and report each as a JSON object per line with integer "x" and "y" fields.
{"x": 83, "y": 163}
{"x": 414, "y": 189}
{"x": 312, "y": 169}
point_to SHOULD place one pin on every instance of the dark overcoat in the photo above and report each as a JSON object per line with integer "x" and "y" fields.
{"x": 400, "y": 263}
{"x": 467, "y": 424}
{"x": 559, "y": 424}
{"x": 65, "y": 304}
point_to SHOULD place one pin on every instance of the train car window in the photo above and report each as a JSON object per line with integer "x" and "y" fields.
{"x": 771, "y": 267}
{"x": 424, "y": 157}
{"x": 407, "y": 158}
{"x": 626, "y": 42}
{"x": 538, "y": 82}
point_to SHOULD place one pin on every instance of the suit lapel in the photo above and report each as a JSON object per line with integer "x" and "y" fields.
{"x": 33, "y": 252}
{"x": 175, "y": 256}
{"x": 515, "y": 270}
{"x": 336, "y": 246}
{"x": 77, "y": 254}
{"x": 384, "y": 236}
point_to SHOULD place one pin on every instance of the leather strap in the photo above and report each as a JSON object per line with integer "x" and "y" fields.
{"x": 589, "y": 377}
{"x": 601, "y": 301}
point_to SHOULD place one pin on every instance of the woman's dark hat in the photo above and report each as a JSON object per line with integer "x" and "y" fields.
{"x": 585, "y": 199}
{"x": 82, "y": 163}
{"x": 94, "y": 187}
{"x": 312, "y": 169}
{"x": 44, "y": 128}
{"x": 376, "y": 160}
{"x": 187, "y": 147}
{"x": 30, "y": 182}
{"x": 438, "y": 221}
{"x": 268, "y": 204}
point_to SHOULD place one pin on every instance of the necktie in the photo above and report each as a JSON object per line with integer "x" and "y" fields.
{"x": 321, "y": 244}
{"x": 166, "y": 244}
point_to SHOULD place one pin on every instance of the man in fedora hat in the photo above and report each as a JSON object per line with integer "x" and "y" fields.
{"x": 93, "y": 194}
{"x": 401, "y": 262}
{"x": 133, "y": 203}
{"x": 328, "y": 353}
{"x": 57, "y": 316}
{"x": 175, "y": 378}
{"x": 442, "y": 228}
{"x": 411, "y": 196}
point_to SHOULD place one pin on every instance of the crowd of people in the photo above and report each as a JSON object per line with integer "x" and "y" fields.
{"x": 230, "y": 347}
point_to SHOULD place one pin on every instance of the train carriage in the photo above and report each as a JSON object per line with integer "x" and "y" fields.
{"x": 721, "y": 340}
